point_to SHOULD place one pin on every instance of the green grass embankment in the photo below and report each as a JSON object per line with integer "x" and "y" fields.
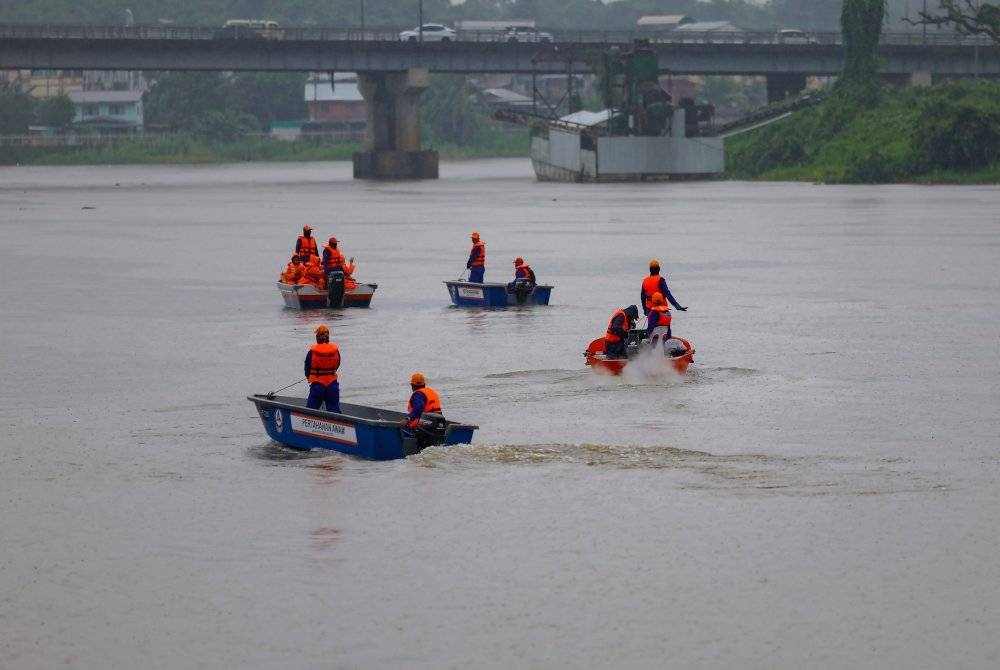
{"x": 190, "y": 149}
{"x": 943, "y": 134}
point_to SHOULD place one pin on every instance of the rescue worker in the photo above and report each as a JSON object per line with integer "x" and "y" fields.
{"x": 654, "y": 283}
{"x": 322, "y": 363}
{"x": 292, "y": 271}
{"x": 616, "y": 338}
{"x": 312, "y": 273}
{"x": 659, "y": 314}
{"x": 522, "y": 272}
{"x": 305, "y": 246}
{"x": 477, "y": 259}
{"x": 423, "y": 399}
{"x": 333, "y": 259}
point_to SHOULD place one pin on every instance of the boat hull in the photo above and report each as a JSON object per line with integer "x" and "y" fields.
{"x": 570, "y": 157}
{"x": 307, "y": 296}
{"x": 596, "y": 359}
{"x": 358, "y": 430}
{"x": 472, "y": 294}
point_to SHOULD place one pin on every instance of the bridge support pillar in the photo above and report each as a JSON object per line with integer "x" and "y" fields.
{"x": 393, "y": 134}
{"x": 781, "y": 86}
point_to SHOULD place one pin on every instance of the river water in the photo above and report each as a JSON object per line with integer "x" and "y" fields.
{"x": 820, "y": 490}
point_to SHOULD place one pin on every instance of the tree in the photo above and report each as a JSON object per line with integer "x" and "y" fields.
{"x": 57, "y": 112}
{"x": 269, "y": 96}
{"x": 180, "y": 100}
{"x": 15, "y": 108}
{"x": 448, "y": 111}
{"x": 969, "y": 17}
{"x": 861, "y": 25}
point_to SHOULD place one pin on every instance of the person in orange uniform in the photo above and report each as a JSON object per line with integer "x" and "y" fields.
{"x": 616, "y": 338}
{"x": 292, "y": 271}
{"x": 305, "y": 246}
{"x": 322, "y": 363}
{"x": 654, "y": 283}
{"x": 659, "y": 314}
{"x": 477, "y": 259}
{"x": 523, "y": 273}
{"x": 333, "y": 259}
{"x": 312, "y": 273}
{"x": 423, "y": 400}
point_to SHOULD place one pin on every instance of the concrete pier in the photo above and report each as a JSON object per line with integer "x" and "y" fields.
{"x": 393, "y": 134}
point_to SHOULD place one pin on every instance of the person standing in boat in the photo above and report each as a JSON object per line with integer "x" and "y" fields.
{"x": 477, "y": 259}
{"x": 616, "y": 338}
{"x": 305, "y": 246}
{"x": 659, "y": 314}
{"x": 333, "y": 261}
{"x": 322, "y": 363}
{"x": 423, "y": 399}
{"x": 654, "y": 283}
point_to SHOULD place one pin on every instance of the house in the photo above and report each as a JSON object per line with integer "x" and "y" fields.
{"x": 336, "y": 104}
{"x": 715, "y": 27}
{"x": 108, "y": 111}
{"x": 504, "y": 98}
{"x": 665, "y": 22}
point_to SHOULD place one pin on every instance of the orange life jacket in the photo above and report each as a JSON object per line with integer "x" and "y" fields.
{"x": 615, "y": 337}
{"x": 433, "y": 403}
{"x": 481, "y": 258}
{"x": 664, "y": 319}
{"x": 307, "y": 246}
{"x": 526, "y": 270}
{"x": 334, "y": 259}
{"x": 324, "y": 363}
{"x": 312, "y": 274}
{"x": 651, "y": 285}
{"x": 291, "y": 273}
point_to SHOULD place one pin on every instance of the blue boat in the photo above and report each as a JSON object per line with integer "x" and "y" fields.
{"x": 368, "y": 432}
{"x": 472, "y": 294}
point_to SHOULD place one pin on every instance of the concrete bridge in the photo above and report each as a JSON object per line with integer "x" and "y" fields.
{"x": 394, "y": 73}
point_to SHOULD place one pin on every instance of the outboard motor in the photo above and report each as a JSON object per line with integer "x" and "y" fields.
{"x": 431, "y": 429}
{"x": 522, "y": 290}
{"x": 335, "y": 288}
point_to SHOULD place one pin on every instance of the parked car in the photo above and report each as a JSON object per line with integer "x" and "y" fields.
{"x": 250, "y": 29}
{"x": 526, "y": 34}
{"x": 795, "y": 36}
{"x": 433, "y": 32}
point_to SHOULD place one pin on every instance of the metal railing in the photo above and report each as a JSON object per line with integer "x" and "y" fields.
{"x": 391, "y": 34}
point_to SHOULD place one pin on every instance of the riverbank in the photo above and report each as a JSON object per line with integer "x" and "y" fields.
{"x": 946, "y": 134}
{"x": 185, "y": 149}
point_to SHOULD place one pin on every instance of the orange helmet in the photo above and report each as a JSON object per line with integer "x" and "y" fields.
{"x": 475, "y": 235}
{"x": 518, "y": 261}
{"x": 658, "y": 299}
{"x": 322, "y": 328}
{"x": 653, "y": 263}
{"x": 417, "y": 379}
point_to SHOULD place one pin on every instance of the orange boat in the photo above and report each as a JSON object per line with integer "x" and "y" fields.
{"x": 677, "y": 352}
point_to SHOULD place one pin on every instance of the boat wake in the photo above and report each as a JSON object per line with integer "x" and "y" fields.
{"x": 740, "y": 474}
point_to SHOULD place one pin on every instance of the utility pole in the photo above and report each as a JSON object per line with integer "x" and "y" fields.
{"x": 924, "y": 24}
{"x": 420, "y": 25}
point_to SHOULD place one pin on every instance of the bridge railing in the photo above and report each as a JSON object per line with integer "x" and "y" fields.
{"x": 391, "y": 34}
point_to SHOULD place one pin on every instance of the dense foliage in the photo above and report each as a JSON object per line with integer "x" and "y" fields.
{"x": 911, "y": 134}
{"x": 18, "y": 110}
{"x": 861, "y": 25}
{"x": 968, "y": 17}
